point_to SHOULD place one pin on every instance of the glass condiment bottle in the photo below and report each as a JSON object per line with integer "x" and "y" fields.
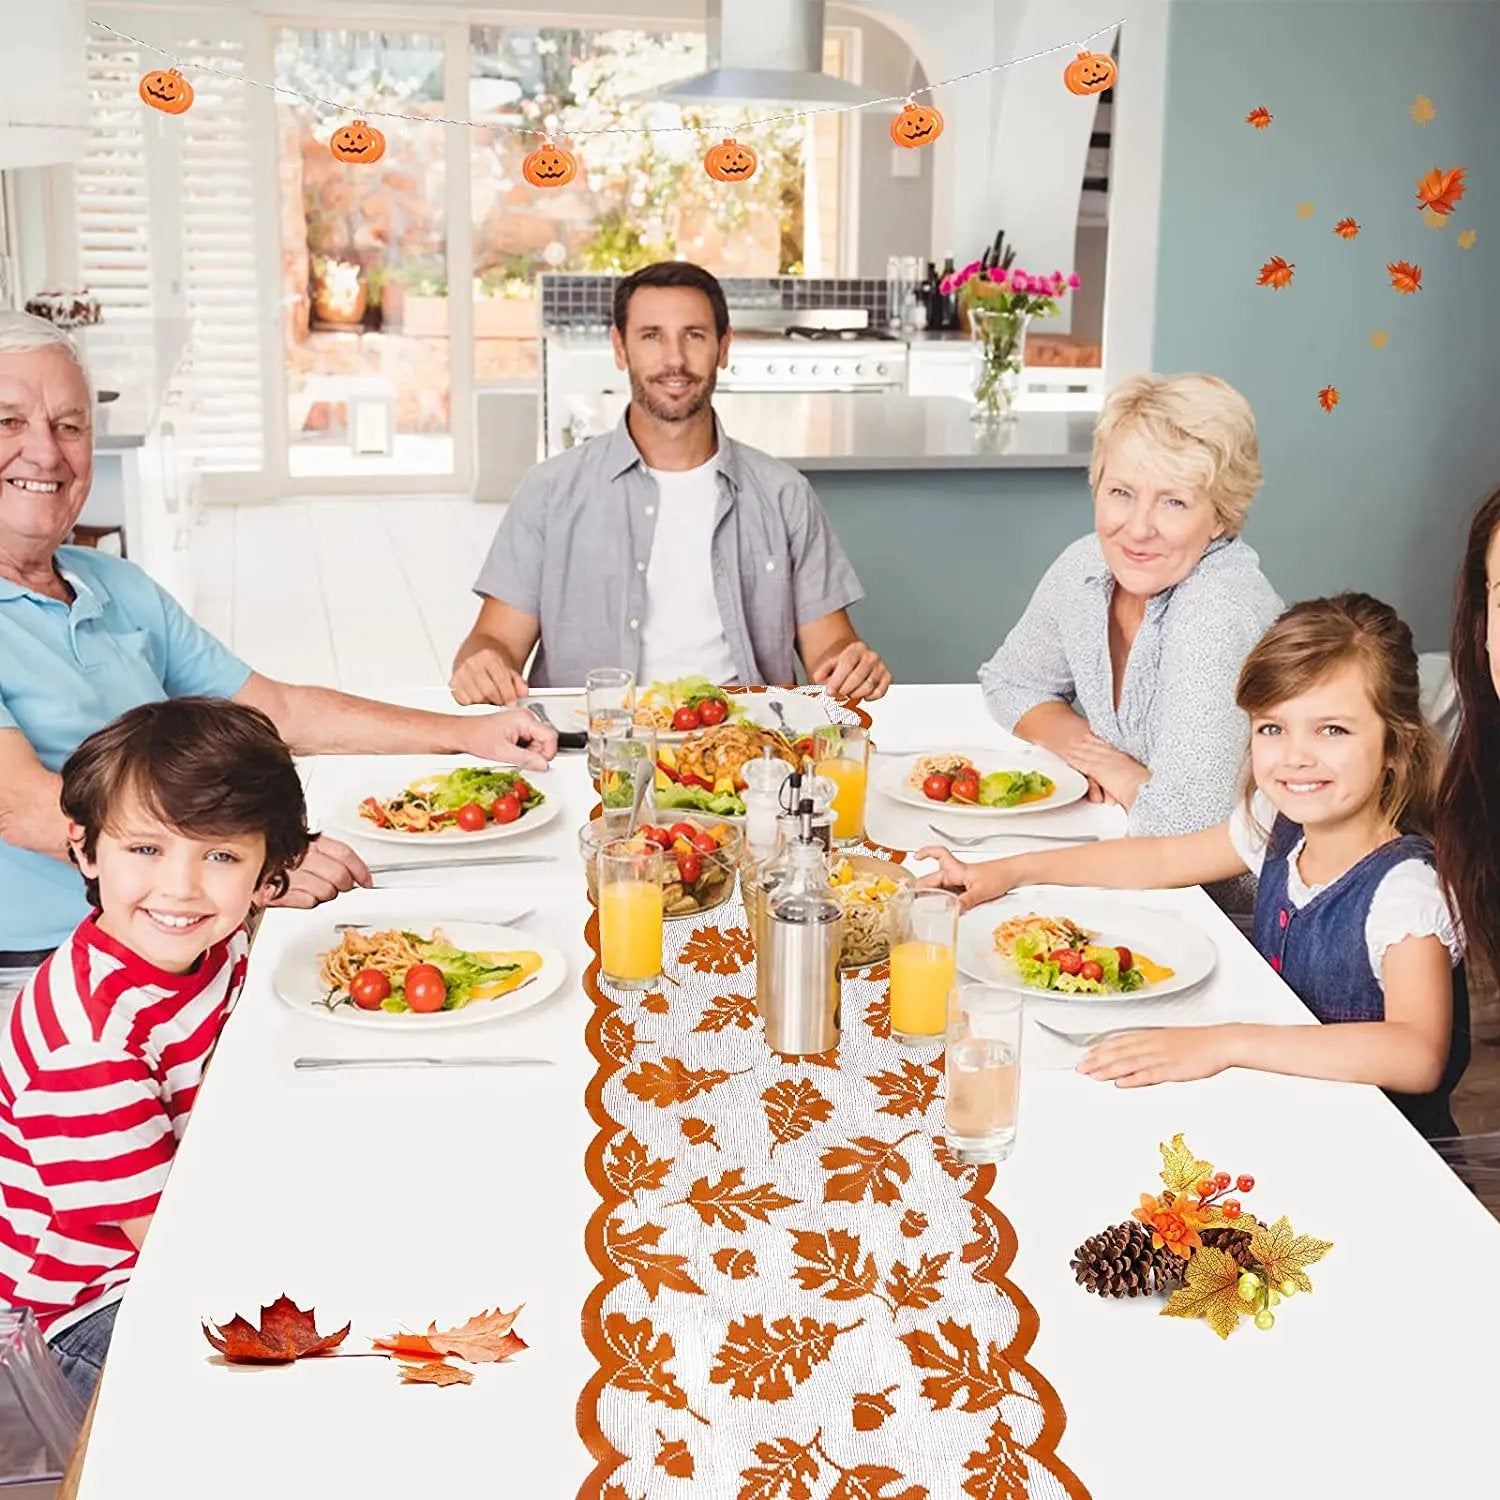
{"x": 804, "y": 934}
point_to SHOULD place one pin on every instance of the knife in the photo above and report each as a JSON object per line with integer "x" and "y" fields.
{"x": 509, "y": 921}
{"x": 567, "y": 739}
{"x": 442, "y": 862}
{"x": 308, "y": 1063}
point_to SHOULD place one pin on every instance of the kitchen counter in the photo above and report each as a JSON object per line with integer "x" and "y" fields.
{"x": 880, "y": 430}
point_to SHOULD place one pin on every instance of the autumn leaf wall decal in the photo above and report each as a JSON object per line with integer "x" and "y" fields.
{"x": 1440, "y": 189}
{"x": 1346, "y": 229}
{"x": 1422, "y": 110}
{"x": 1405, "y": 277}
{"x": 1328, "y": 397}
{"x": 1276, "y": 274}
{"x": 1260, "y": 117}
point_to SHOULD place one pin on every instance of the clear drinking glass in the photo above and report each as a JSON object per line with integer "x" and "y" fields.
{"x": 843, "y": 757}
{"x": 630, "y": 915}
{"x": 609, "y": 694}
{"x": 983, "y": 1064}
{"x": 924, "y": 961}
{"x": 627, "y": 774}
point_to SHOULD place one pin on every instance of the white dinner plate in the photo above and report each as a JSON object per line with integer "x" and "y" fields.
{"x": 804, "y": 714}
{"x": 348, "y": 822}
{"x": 1069, "y": 785}
{"x": 1162, "y": 936}
{"x": 298, "y": 977}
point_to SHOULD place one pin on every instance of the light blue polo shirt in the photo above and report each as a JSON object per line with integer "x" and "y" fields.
{"x": 66, "y": 671}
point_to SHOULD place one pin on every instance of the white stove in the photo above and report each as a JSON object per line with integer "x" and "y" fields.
{"x": 804, "y": 359}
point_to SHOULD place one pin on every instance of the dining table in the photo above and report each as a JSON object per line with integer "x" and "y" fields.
{"x": 394, "y": 1198}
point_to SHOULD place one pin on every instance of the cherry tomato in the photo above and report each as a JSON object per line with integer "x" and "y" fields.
{"x": 804, "y": 749}
{"x": 937, "y": 786}
{"x": 1090, "y": 970}
{"x": 471, "y": 816}
{"x": 705, "y": 843}
{"x": 506, "y": 809}
{"x": 522, "y": 788}
{"x": 712, "y": 711}
{"x": 965, "y": 789}
{"x": 658, "y": 836}
{"x": 687, "y": 718}
{"x": 426, "y": 990}
{"x": 1127, "y": 962}
{"x": 1068, "y": 960}
{"x": 368, "y": 988}
{"x": 684, "y": 830}
{"x": 689, "y": 867}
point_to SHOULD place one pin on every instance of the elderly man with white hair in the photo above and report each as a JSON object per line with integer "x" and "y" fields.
{"x": 85, "y": 636}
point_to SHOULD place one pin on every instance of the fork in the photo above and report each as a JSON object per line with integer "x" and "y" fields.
{"x": 968, "y": 841}
{"x": 509, "y": 921}
{"x": 1088, "y": 1038}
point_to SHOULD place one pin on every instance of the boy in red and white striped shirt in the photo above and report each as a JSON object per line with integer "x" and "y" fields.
{"x": 180, "y": 813}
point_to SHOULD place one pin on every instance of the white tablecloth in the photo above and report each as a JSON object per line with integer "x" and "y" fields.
{"x": 394, "y": 1198}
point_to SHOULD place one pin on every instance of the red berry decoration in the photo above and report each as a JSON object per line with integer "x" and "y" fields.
{"x": 1245, "y": 1183}
{"x": 1231, "y": 1208}
{"x": 1221, "y": 1180}
{"x": 1205, "y": 1187}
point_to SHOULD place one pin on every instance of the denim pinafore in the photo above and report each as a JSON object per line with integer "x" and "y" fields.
{"x": 1320, "y": 950}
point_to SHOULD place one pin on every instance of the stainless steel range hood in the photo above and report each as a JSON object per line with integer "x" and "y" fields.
{"x": 764, "y": 52}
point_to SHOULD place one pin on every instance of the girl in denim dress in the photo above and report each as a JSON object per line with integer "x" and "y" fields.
{"x": 1350, "y": 911}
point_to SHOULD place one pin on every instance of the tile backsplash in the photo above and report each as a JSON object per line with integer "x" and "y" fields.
{"x": 585, "y": 301}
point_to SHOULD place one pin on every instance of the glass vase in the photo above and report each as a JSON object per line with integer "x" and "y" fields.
{"x": 999, "y": 337}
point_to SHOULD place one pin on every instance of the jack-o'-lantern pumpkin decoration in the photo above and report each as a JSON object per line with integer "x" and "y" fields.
{"x": 731, "y": 162}
{"x": 167, "y": 90}
{"x": 1090, "y": 73}
{"x": 549, "y": 166}
{"x": 916, "y": 125}
{"x": 358, "y": 143}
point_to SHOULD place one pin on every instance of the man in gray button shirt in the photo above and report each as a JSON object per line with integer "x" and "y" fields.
{"x": 665, "y": 546}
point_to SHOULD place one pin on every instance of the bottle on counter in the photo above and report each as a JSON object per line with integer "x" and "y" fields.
{"x": 804, "y": 935}
{"x": 948, "y": 303}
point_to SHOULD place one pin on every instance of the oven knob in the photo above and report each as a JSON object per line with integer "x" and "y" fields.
{"x": 838, "y": 369}
{"x": 859, "y": 369}
{"x": 734, "y": 369}
{"x": 794, "y": 369}
{"x": 772, "y": 368}
{"x": 881, "y": 370}
{"x": 812, "y": 369}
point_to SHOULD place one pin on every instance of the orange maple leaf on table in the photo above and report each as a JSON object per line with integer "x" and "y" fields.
{"x": 998, "y": 1470}
{"x": 1276, "y": 274}
{"x": 1405, "y": 277}
{"x": 1260, "y": 117}
{"x": 435, "y": 1372}
{"x": 765, "y": 1364}
{"x": 671, "y": 1081}
{"x": 730, "y": 1203}
{"x": 643, "y": 1356}
{"x": 285, "y": 1333}
{"x": 711, "y": 950}
{"x": 728, "y": 1010}
{"x": 1440, "y": 190}
{"x": 1346, "y": 229}
{"x": 635, "y": 1252}
{"x": 834, "y": 1265}
{"x": 674, "y": 1457}
{"x": 987, "y": 1377}
{"x": 909, "y": 1092}
{"x": 873, "y": 1166}
{"x": 878, "y": 1017}
{"x": 630, "y": 1167}
{"x": 917, "y": 1286}
{"x": 792, "y": 1109}
{"x": 485, "y": 1339}
{"x": 1328, "y": 397}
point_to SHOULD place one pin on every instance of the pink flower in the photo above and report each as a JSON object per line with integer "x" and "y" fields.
{"x": 971, "y": 269}
{"x": 1021, "y": 282}
{"x": 998, "y": 275}
{"x": 1017, "y": 275}
{"x": 947, "y": 285}
{"x": 1073, "y": 280}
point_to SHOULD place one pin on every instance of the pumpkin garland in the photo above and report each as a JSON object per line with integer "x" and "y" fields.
{"x": 916, "y": 125}
{"x": 731, "y": 161}
{"x": 358, "y": 143}
{"x": 1090, "y": 73}
{"x": 167, "y": 90}
{"x": 549, "y": 166}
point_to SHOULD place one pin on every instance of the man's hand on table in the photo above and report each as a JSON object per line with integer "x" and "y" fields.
{"x": 855, "y": 672}
{"x": 328, "y": 868}
{"x": 486, "y": 676}
{"x": 512, "y": 736}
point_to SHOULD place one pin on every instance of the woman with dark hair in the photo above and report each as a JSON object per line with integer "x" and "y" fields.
{"x": 1468, "y": 817}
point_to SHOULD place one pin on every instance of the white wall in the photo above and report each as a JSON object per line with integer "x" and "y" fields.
{"x": 44, "y": 99}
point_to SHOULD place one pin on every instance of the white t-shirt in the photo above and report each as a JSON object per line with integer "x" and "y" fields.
{"x": 683, "y": 633}
{"x": 1408, "y": 902}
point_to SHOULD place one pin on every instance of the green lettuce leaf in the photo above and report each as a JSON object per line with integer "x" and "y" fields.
{"x": 481, "y": 784}
{"x": 1007, "y": 788}
{"x": 699, "y": 799}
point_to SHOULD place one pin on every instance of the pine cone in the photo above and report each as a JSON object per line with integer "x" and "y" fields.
{"x": 1119, "y": 1262}
{"x": 1234, "y": 1242}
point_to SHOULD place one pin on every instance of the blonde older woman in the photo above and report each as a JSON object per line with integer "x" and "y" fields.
{"x": 1125, "y": 661}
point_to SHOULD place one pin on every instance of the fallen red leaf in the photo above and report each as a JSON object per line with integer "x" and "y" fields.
{"x": 435, "y": 1372}
{"x": 485, "y": 1339}
{"x": 1405, "y": 277}
{"x": 1440, "y": 190}
{"x": 1328, "y": 397}
{"x": 1346, "y": 229}
{"x": 1276, "y": 274}
{"x": 285, "y": 1333}
{"x": 1260, "y": 117}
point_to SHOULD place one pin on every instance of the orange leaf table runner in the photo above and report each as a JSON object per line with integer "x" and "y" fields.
{"x": 802, "y": 1294}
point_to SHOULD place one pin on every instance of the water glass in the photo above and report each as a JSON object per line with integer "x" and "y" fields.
{"x": 609, "y": 695}
{"x": 983, "y": 1066}
{"x": 627, "y": 775}
{"x": 630, "y": 915}
{"x": 924, "y": 961}
{"x": 843, "y": 757}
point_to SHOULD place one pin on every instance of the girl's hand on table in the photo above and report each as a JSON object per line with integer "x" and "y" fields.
{"x": 974, "y": 884}
{"x": 1171, "y": 1055}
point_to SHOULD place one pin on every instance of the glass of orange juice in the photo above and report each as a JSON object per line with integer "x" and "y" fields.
{"x": 630, "y": 914}
{"x": 924, "y": 963}
{"x": 843, "y": 757}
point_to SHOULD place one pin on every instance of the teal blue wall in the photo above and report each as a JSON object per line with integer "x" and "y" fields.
{"x": 1376, "y": 494}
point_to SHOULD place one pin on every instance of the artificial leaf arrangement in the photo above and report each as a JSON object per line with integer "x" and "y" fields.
{"x": 1218, "y": 1261}
{"x": 286, "y": 1332}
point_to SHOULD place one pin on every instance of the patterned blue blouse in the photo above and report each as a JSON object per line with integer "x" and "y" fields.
{"x": 1177, "y": 714}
